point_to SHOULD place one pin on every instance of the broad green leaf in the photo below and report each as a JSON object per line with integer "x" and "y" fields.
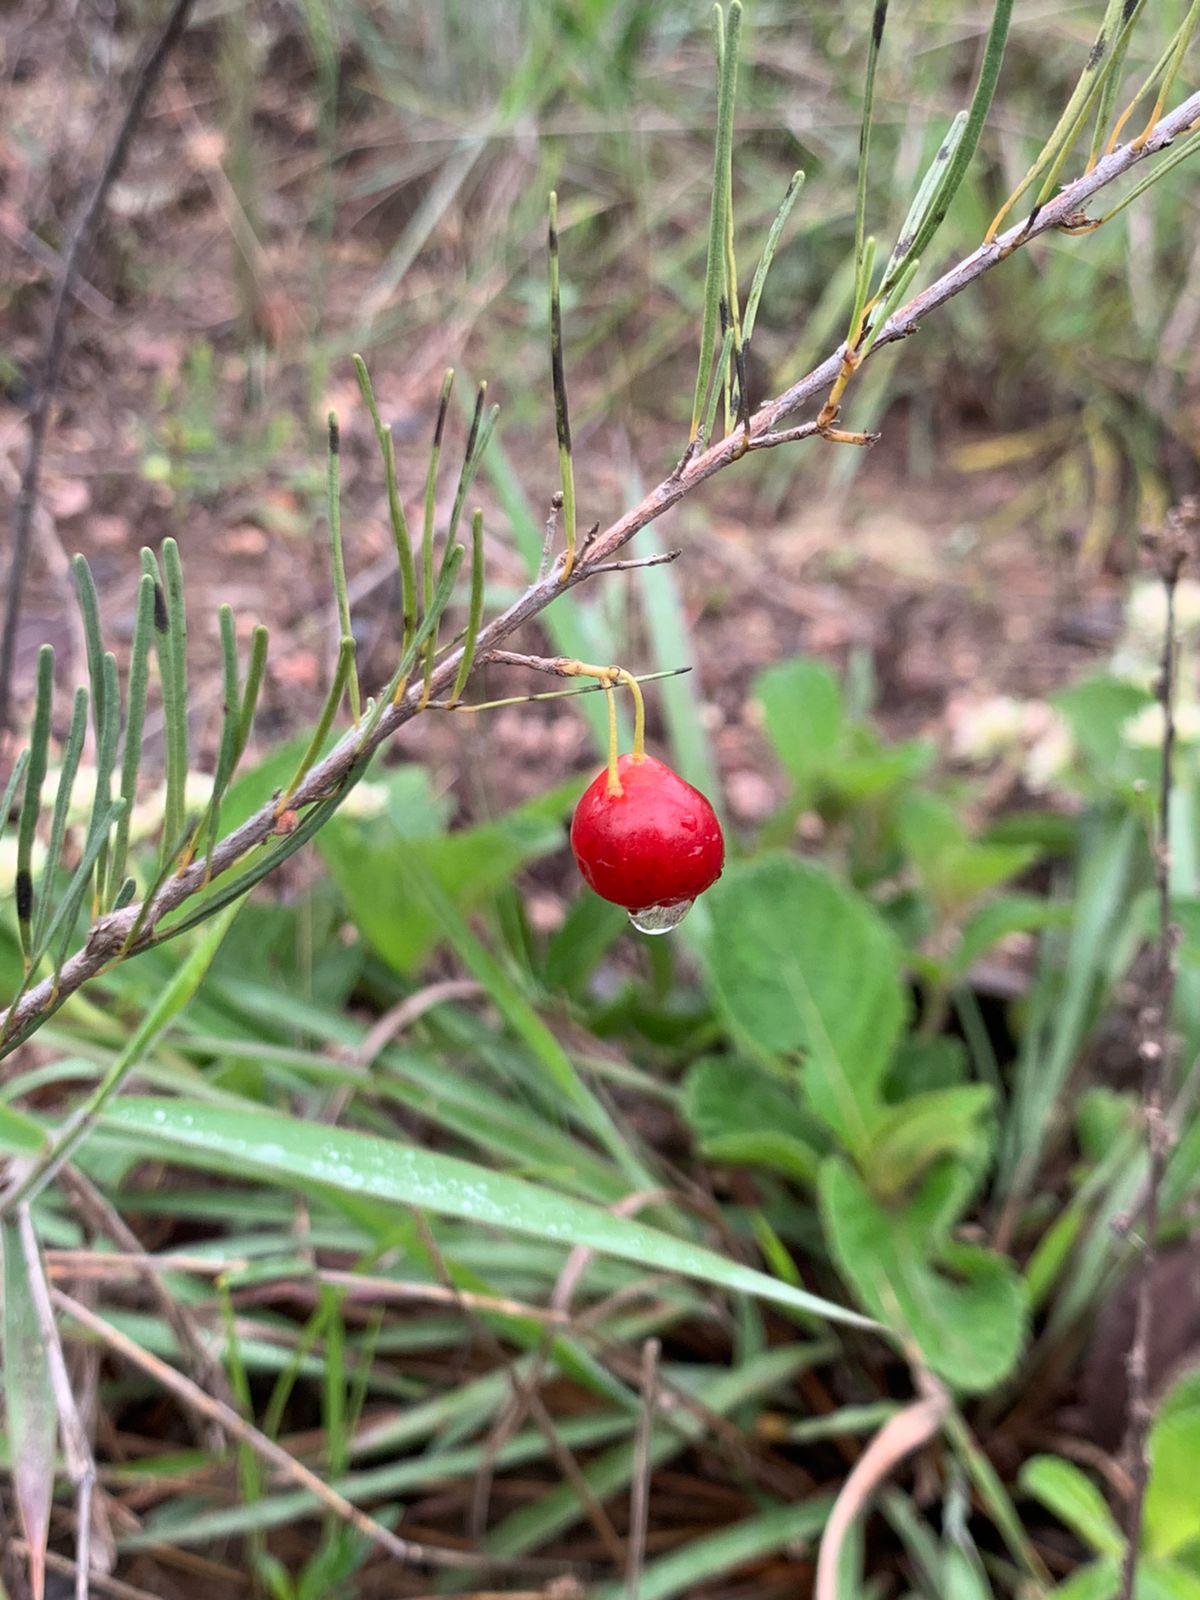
{"x": 1165, "y": 1580}
{"x": 1097, "y": 710}
{"x": 363, "y": 1166}
{"x": 961, "y": 1305}
{"x": 470, "y": 866}
{"x": 739, "y": 1114}
{"x": 1172, "y": 1507}
{"x": 1075, "y": 1500}
{"x": 802, "y": 964}
{"x": 1099, "y": 1581}
{"x": 30, "y": 1415}
{"x": 953, "y": 868}
{"x": 802, "y": 711}
{"x": 921, "y": 1065}
{"x": 1006, "y": 914}
{"x": 910, "y": 1137}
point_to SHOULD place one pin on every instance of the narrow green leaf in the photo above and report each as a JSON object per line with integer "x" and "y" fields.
{"x": 333, "y": 700}
{"x": 10, "y": 789}
{"x": 230, "y": 721}
{"x": 139, "y": 677}
{"x": 864, "y": 260}
{"x": 427, "y": 630}
{"x": 400, "y": 534}
{"x": 254, "y": 678}
{"x": 62, "y": 803}
{"x": 475, "y": 613}
{"x": 439, "y": 429}
{"x": 31, "y": 799}
{"x": 768, "y": 255}
{"x": 965, "y": 147}
{"x": 716, "y": 270}
{"x": 1075, "y": 1500}
{"x": 1068, "y": 124}
{"x": 175, "y": 700}
{"x": 89, "y": 608}
{"x": 337, "y": 560}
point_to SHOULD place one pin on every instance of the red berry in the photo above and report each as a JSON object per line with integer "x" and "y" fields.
{"x": 657, "y": 843}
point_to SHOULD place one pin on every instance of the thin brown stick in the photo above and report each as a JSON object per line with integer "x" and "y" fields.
{"x": 146, "y": 77}
{"x": 76, "y": 1447}
{"x": 907, "y": 1431}
{"x": 203, "y": 1367}
{"x": 1171, "y": 549}
{"x": 639, "y": 1493}
{"x": 236, "y": 1426}
{"x": 101, "y": 1582}
{"x": 108, "y": 936}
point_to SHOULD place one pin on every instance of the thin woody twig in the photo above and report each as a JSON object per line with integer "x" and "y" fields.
{"x": 236, "y": 1426}
{"x": 1171, "y": 549}
{"x": 634, "y": 562}
{"x": 72, "y": 263}
{"x": 904, "y": 1433}
{"x": 639, "y": 1494}
{"x": 108, "y": 936}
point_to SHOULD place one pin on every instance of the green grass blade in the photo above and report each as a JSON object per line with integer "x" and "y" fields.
{"x": 716, "y": 268}
{"x": 334, "y": 1159}
{"x": 155, "y": 1021}
{"x": 31, "y": 799}
{"x": 703, "y": 1559}
{"x": 62, "y": 802}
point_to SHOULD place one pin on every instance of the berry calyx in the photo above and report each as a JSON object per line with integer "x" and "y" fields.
{"x": 651, "y": 842}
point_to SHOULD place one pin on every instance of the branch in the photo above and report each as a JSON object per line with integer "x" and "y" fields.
{"x": 1171, "y": 549}
{"x": 107, "y": 938}
{"x": 39, "y": 418}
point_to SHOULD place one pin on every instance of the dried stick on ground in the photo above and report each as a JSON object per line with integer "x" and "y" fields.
{"x": 1170, "y": 549}
{"x": 76, "y": 253}
{"x": 108, "y": 936}
{"x": 907, "y": 1431}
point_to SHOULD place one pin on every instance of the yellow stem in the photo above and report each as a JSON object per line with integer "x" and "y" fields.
{"x": 639, "y": 714}
{"x": 614, "y": 777}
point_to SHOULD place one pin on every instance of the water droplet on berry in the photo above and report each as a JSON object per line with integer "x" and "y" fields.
{"x": 660, "y": 919}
